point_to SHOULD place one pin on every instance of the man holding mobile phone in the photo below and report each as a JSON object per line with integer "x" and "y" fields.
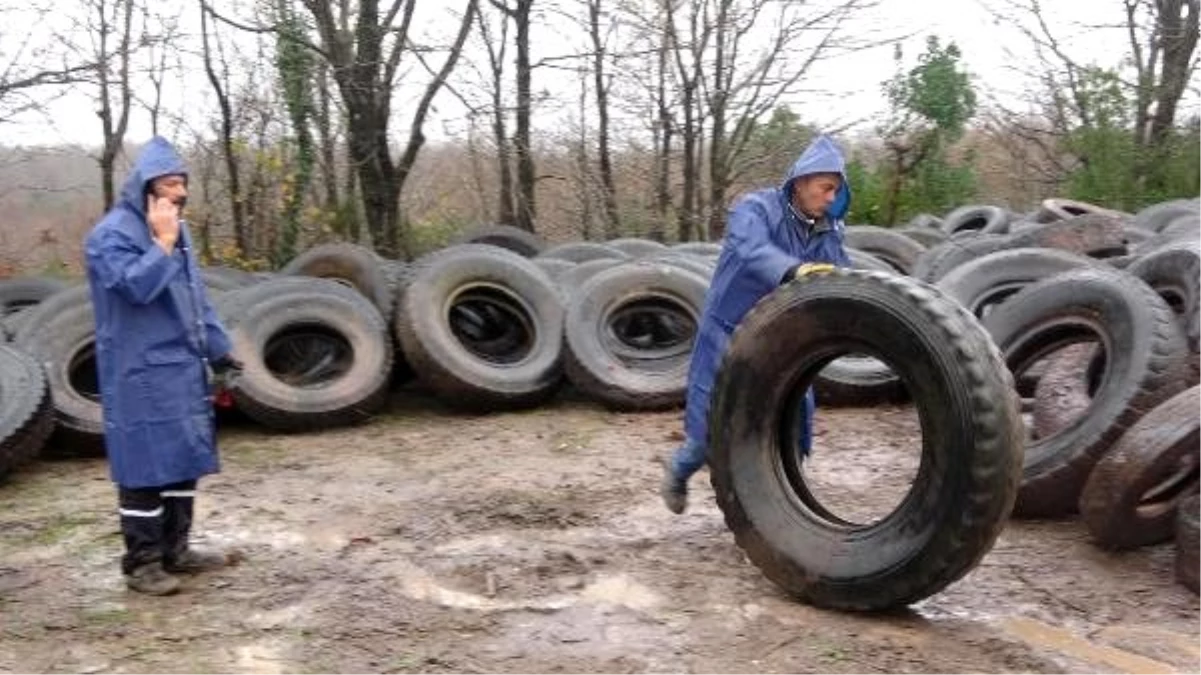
{"x": 157, "y": 342}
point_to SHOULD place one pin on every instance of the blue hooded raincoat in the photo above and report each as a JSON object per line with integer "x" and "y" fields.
{"x": 155, "y": 333}
{"x": 765, "y": 238}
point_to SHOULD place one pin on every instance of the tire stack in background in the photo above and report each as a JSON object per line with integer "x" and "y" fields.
{"x": 1094, "y": 312}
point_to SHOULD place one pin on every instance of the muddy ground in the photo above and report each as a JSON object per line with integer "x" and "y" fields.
{"x": 536, "y": 542}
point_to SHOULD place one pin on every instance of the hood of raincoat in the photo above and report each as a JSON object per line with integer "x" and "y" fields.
{"x": 822, "y": 156}
{"x": 157, "y": 159}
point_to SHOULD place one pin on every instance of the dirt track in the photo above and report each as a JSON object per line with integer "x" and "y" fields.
{"x": 535, "y": 542}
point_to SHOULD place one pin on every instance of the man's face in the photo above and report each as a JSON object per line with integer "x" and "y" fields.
{"x": 174, "y": 188}
{"x": 814, "y": 194}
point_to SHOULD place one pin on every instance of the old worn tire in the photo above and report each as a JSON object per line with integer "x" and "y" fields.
{"x": 1055, "y": 208}
{"x": 515, "y": 239}
{"x": 60, "y": 333}
{"x": 355, "y": 265}
{"x": 981, "y": 284}
{"x": 1094, "y": 234}
{"x": 448, "y": 287}
{"x": 972, "y": 440}
{"x": 341, "y": 378}
{"x": 982, "y": 218}
{"x": 926, "y": 221}
{"x": 583, "y": 251}
{"x": 554, "y": 267}
{"x": 626, "y": 376}
{"x": 1157, "y": 216}
{"x": 1131, "y": 495}
{"x": 1144, "y": 347}
{"x": 572, "y": 279}
{"x": 926, "y": 236}
{"x": 1188, "y": 543}
{"x": 26, "y": 412}
{"x": 23, "y": 292}
{"x": 1174, "y": 271}
{"x": 892, "y": 247}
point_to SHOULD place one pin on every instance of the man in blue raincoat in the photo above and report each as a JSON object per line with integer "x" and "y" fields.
{"x": 772, "y": 236}
{"x": 157, "y": 338}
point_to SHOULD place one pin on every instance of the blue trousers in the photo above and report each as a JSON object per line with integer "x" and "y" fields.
{"x": 690, "y": 457}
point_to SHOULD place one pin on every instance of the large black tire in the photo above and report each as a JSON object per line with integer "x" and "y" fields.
{"x": 1188, "y": 543}
{"x": 350, "y": 263}
{"x": 971, "y": 451}
{"x": 862, "y": 260}
{"x": 483, "y": 328}
{"x": 980, "y": 217}
{"x": 515, "y": 239}
{"x": 934, "y": 263}
{"x": 26, "y": 413}
{"x": 1131, "y": 496}
{"x": 1174, "y": 271}
{"x": 629, "y": 333}
{"x": 316, "y": 354}
{"x": 1064, "y": 390}
{"x": 584, "y": 251}
{"x": 1144, "y": 347}
{"x": 23, "y": 292}
{"x": 892, "y": 247}
{"x": 637, "y": 248}
{"x": 981, "y": 284}
{"x": 60, "y": 333}
{"x": 704, "y": 248}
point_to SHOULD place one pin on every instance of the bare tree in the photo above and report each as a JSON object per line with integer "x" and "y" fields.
{"x": 496, "y": 42}
{"x": 761, "y": 52}
{"x": 525, "y": 208}
{"x": 32, "y": 71}
{"x": 216, "y": 68}
{"x": 109, "y": 29}
{"x": 365, "y": 44}
{"x": 602, "y": 83}
{"x": 1154, "y": 75}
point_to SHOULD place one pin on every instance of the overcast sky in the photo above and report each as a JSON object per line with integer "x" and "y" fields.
{"x": 851, "y": 84}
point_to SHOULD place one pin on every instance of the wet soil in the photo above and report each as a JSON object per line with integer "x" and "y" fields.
{"x": 428, "y": 541}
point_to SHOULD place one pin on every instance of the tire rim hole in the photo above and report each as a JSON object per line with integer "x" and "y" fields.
{"x": 81, "y": 373}
{"x": 308, "y": 356}
{"x": 649, "y": 329}
{"x": 846, "y": 483}
{"x": 492, "y": 325}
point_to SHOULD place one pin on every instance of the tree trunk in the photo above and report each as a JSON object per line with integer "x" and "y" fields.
{"x": 1178, "y": 39}
{"x": 237, "y": 203}
{"x": 526, "y": 208}
{"x": 663, "y": 136}
{"x": 604, "y": 156}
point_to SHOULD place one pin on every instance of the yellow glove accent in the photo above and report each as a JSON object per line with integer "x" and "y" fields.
{"x": 812, "y": 268}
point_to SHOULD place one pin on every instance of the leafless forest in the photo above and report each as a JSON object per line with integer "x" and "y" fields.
{"x": 398, "y": 126}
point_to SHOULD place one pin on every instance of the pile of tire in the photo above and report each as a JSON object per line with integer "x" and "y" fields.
{"x": 1096, "y": 316}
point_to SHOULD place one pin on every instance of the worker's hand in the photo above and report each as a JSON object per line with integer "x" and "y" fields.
{"x": 163, "y": 216}
{"x": 227, "y": 365}
{"x": 805, "y": 269}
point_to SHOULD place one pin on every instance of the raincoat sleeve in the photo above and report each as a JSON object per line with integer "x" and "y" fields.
{"x": 748, "y": 232}
{"x": 217, "y": 340}
{"x": 138, "y": 276}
